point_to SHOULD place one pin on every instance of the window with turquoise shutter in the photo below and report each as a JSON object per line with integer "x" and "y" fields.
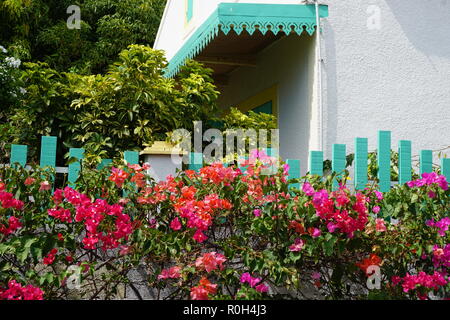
{"x": 190, "y": 10}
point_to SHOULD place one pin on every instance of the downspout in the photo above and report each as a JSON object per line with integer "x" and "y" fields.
{"x": 319, "y": 75}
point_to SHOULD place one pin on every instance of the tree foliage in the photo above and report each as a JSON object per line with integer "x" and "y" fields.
{"x": 36, "y": 30}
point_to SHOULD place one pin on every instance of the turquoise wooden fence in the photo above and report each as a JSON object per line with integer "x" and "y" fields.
{"x": 360, "y": 164}
{"x": 48, "y": 158}
{"x": 49, "y": 144}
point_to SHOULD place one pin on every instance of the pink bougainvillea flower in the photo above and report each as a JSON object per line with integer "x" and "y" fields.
{"x": 45, "y": 186}
{"x": 331, "y": 227}
{"x": 442, "y": 225}
{"x": 286, "y": 169}
{"x": 171, "y": 273}
{"x": 210, "y": 261}
{"x": 175, "y": 224}
{"x": 257, "y": 212}
{"x": 254, "y": 282}
{"x": 308, "y": 189}
{"x": 379, "y": 195}
{"x": 245, "y": 277}
{"x": 199, "y": 236}
{"x": 297, "y": 245}
{"x": 316, "y": 275}
{"x": 199, "y": 293}
{"x": 262, "y": 288}
{"x": 314, "y": 232}
{"x": 380, "y": 226}
{"x": 124, "y": 250}
{"x": 376, "y": 209}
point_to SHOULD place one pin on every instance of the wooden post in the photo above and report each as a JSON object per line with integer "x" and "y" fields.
{"x": 316, "y": 163}
{"x": 195, "y": 161}
{"x": 384, "y": 160}
{"x": 294, "y": 172}
{"x": 426, "y": 161}
{"x": 338, "y": 162}
{"x": 361, "y": 163}
{"x": 75, "y": 167}
{"x": 18, "y": 154}
{"x": 404, "y": 161}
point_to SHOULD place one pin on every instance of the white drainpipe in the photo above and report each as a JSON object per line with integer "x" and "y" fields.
{"x": 319, "y": 75}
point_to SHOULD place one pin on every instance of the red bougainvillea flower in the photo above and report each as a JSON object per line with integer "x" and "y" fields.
{"x": 50, "y": 258}
{"x": 64, "y": 215}
{"x": 14, "y": 224}
{"x": 7, "y": 201}
{"x": 297, "y": 226}
{"x": 29, "y": 181}
{"x": 202, "y": 291}
{"x": 118, "y": 176}
{"x": 15, "y": 291}
{"x": 139, "y": 179}
{"x": 171, "y": 273}
{"x": 372, "y": 260}
{"x": 210, "y": 261}
{"x": 175, "y": 224}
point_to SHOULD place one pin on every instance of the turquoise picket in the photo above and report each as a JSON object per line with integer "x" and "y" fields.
{"x": 316, "y": 163}
{"x": 19, "y": 154}
{"x": 445, "y": 168}
{"x": 404, "y": 161}
{"x": 338, "y": 162}
{"x": 195, "y": 161}
{"x": 75, "y": 167}
{"x": 104, "y": 163}
{"x": 270, "y": 151}
{"x": 131, "y": 157}
{"x": 242, "y": 168}
{"x": 48, "y": 151}
{"x": 426, "y": 161}
{"x": 384, "y": 160}
{"x": 294, "y": 172}
{"x": 361, "y": 160}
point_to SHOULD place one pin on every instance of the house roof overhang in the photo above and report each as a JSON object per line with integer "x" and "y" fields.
{"x": 235, "y": 32}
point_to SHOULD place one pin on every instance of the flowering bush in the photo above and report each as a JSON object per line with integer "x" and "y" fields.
{"x": 220, "y": 234}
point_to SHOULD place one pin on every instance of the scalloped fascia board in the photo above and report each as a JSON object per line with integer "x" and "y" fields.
{"x": 239, "y": 16}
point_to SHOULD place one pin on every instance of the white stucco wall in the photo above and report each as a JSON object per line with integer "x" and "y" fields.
{"x": 393, "y": 78}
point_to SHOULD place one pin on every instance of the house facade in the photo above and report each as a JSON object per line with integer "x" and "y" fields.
{"x": 375, "y": 65}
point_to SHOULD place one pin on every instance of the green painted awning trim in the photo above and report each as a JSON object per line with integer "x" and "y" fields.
{"x": 276, "y": 18}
